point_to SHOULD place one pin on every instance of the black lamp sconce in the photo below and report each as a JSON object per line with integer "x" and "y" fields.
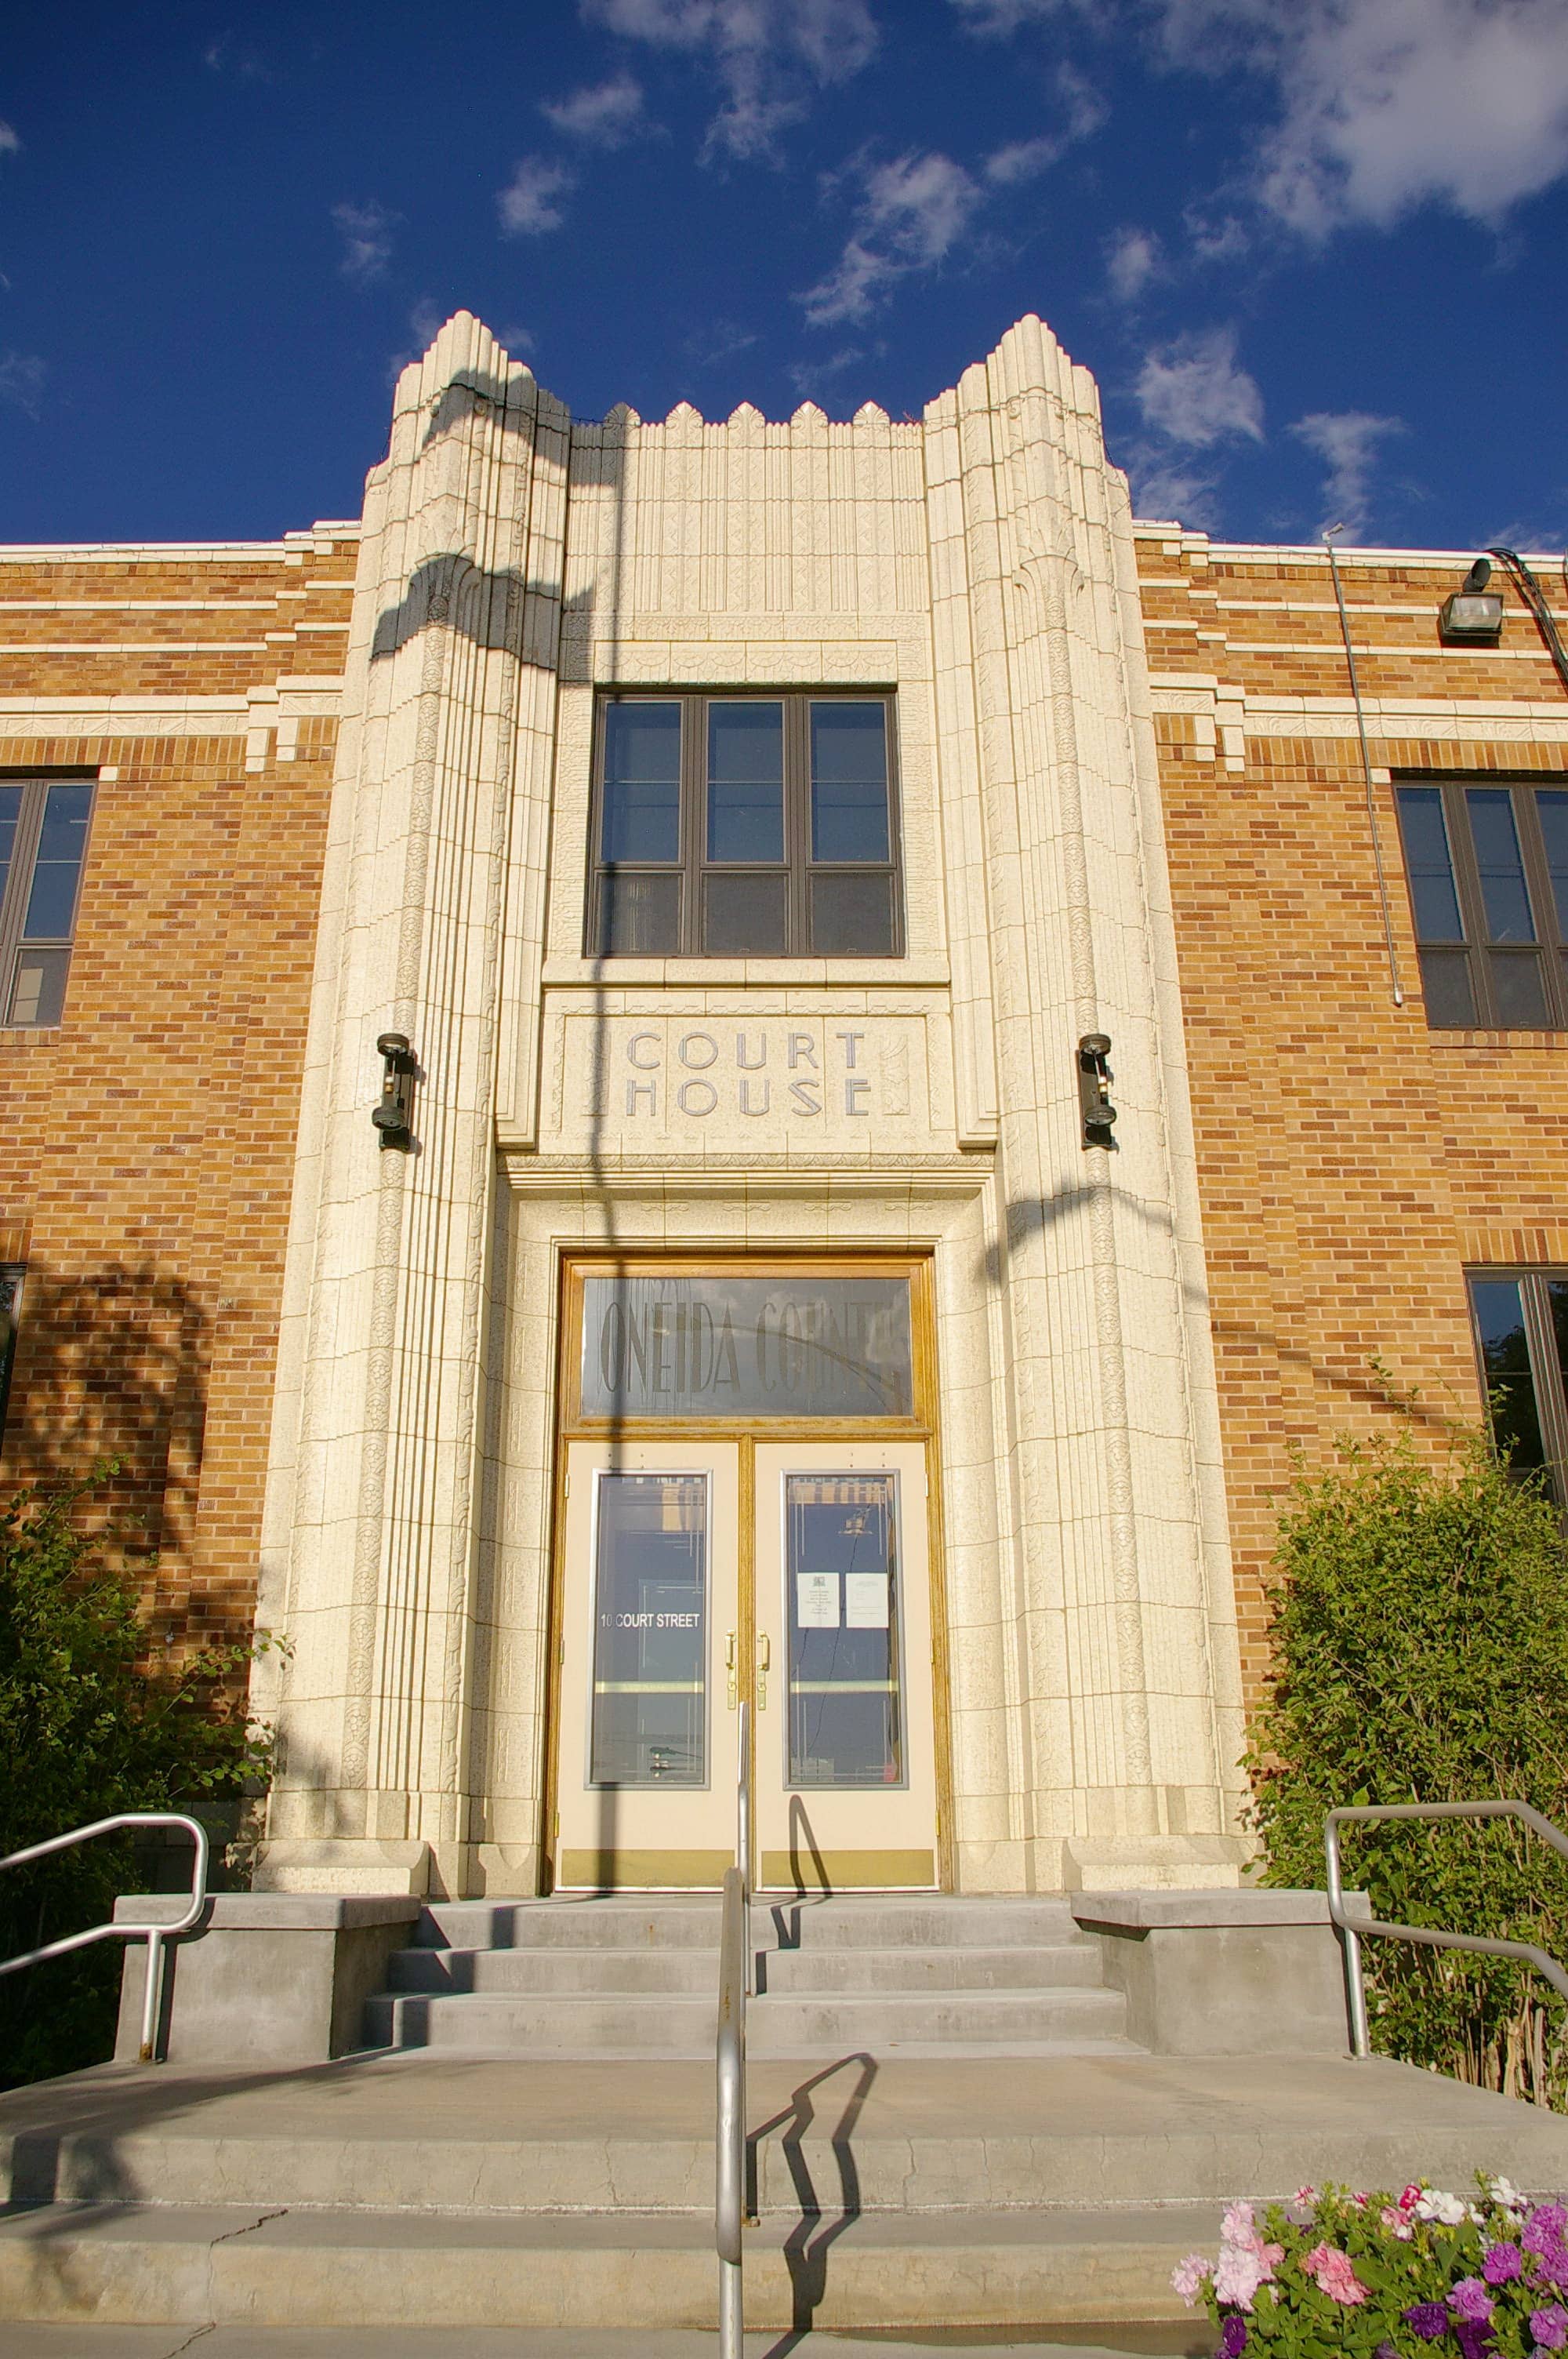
{"x": 1094, "y": 1089}
{"x": 1472, "y": 616}
{"x": 394, "y": 1113}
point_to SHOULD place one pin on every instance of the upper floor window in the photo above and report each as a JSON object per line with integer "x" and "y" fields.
{"x": 43, "y": 835}
{"x": 1522, "y": 1333}
{"x": 1489, "y": 880}
{"x": 745, "y": 826}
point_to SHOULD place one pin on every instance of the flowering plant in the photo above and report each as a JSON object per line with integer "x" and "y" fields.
{"x": 1421, "y": 2274}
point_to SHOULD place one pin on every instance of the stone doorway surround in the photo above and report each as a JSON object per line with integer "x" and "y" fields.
{"x": 979, "y": 563}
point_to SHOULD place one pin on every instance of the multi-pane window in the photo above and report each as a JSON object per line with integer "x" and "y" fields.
{"x": 1522, "y": 1333}
{"x": 43, "y": 836}
{"x": 1488, "y": 881}
{"x": 745, "y": 826}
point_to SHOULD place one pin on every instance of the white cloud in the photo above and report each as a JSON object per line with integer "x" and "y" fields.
{"x": 1166, "y": 489}
{"x": 10, "y": 144}
{"x": 604, "y": 114}
{"x": 1132, "y": 259}
{"x": 366, "y": 232}
{"x": 1346, "y": 441}
{"x": 22, "y": 379}
{"x": 912, "y": 212}
{"x": 227, "y": 55}
{"x": 764, "y": 54}
{"x": 529, "y": 203}
{"x": 811, "y": 378}
{"x": 1025, "y": 160}
{"x": 1001, "y": 17}
{"x": 1388, "y": 105}
{"x": 1191, "y": 391}
{"x": 1022, "y": 159}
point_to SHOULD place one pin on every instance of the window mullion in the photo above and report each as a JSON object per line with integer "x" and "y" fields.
{"x": 1550, "y": 1407}
{"x": 19, "y": 885}
{"x": 693, "y": 820}
{"x": 1542, "y": 901}
{"x": 797, "y": 808}
{"x": 1472, "y": 907}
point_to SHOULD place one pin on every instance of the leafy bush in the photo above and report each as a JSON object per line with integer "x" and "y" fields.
{"x": 85, "y": 1731}
{"x": 1420, "y": 1627}
{"x": 1425, "y": 2274}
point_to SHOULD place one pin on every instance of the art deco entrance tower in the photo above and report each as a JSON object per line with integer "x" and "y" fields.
{"x": 744, "y": 824}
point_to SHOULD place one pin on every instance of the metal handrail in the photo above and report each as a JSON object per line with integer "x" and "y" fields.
{"x": 154, "y": 1935}
{"x": 734, "y": 1983}
{"x": 1354, "y": 1927}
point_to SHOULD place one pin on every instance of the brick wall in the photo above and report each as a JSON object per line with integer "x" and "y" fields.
{"x": 1351, "y": 1162}
{"x": 147, "y": 1146}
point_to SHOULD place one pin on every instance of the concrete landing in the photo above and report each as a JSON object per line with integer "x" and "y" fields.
{"x": 895, "y": 2193}
{"x": 465, "y": 2133}
{"x": 509, "y": 2342}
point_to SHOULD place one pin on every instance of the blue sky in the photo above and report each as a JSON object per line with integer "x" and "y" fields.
{"x": 1314, "y": 251}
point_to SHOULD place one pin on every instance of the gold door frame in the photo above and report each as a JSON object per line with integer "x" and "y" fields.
{"x": 575, "y": 1266}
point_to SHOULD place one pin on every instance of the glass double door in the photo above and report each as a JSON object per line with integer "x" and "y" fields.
{"x": 697, "y": 1575}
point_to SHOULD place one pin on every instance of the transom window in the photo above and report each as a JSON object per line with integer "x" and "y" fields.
{"x": 1521, "y": 1335}
{"x": 1488, "y": 881}
{"x": 43, "y": 836}
{"x": 745, "y": 826}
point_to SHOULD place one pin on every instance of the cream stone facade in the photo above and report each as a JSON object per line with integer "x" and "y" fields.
{"x": 978, "y": 566}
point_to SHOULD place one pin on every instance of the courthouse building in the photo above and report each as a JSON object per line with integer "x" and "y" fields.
{"x": 773, "y": 1061}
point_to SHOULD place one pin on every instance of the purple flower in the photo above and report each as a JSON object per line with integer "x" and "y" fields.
{"x": 1550, "y": 2326}
{"x": 1543, "y": 2230}
{"x": 1474, "y": 2339}
{"x": 1429, "y": 2320}
{"x": 1470, "y": 2300}
{"x": 1500, "y": 2263}
{"x": 1233, "y": 2339}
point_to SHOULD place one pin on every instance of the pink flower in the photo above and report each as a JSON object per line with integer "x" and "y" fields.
{"x": 1236, "y": 2228}
{"x": 1397, "y": 2221}
{"x": 1188, "y": 2276}
{"x": 1306, "y": 2195}
{"x": 1411, "y": 2197}
{"x": 1334, "y": 2273}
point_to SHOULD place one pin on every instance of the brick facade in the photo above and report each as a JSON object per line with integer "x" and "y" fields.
{"x": 1351, "y": 1162}
{"x": 147, "y": 1146}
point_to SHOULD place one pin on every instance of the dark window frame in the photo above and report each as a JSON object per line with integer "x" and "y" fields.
{"x": 18, "y": 885}
{"x": 1476, "y": 952}
{"x": 797, "y": 868}
{"x": 1544, "y": 1368}
{"x": 13, "y": 1278}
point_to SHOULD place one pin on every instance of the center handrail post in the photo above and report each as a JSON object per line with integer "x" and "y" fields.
{"x": 734, "y": 1984}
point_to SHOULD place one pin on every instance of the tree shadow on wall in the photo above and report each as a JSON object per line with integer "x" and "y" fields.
{"x": 112, "y": 1365}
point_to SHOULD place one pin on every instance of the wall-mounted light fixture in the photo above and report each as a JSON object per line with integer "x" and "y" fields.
{"x": 1094, "y": 1089}
{"x": 394, "y": 1113}
{"x": 1472, "y": 616}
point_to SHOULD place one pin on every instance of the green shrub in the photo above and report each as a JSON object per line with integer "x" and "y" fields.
{"x": 1419, "y": 1629}
{"x": 85, "y": 1731}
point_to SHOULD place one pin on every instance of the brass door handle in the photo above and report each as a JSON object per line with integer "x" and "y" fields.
{"x": 764, "y": 1659}
{"x": 731, "y": 1649}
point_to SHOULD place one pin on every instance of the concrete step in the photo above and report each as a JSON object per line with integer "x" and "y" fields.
{"x": 636, "y": 2024}
{"x": 1037, "y": 1967}
{"x": 691, "y": 1972}
{"x": 672, "y": 1922}
{"x": 214, "y": 2265}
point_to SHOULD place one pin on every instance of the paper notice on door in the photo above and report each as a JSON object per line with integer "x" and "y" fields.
{"x": 866, "y": 1600}
{"x": 816, "y": 1601}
